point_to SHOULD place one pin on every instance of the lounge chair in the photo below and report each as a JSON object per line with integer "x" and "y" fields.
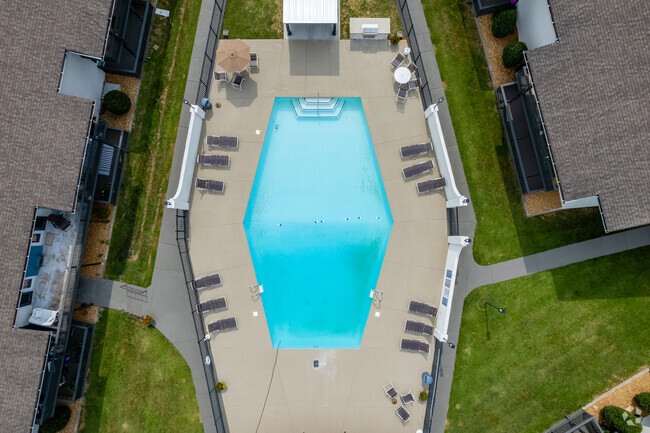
{"x": 214, "y": 160}
{"x": 59, "y": 222}
{"x": 399, "y": 58}
{"x": 207, "y": 281}
{"x": 413, "y": 150}
{"x": 237, "y": 82}
{"x": 407, "y": 399}
{"x": 210, "y": 185}
{"x": 417, "y": 169}
{"x": 412, "y": 67}
{"x": 426, "y": 186}
{"x": 223, "y": 141}
{"x": 221, "y": 77}
{"x": 418, "y": 327}
{"x": 414, "y": 84}
{"x": 401, "y": 95}
{"x": 390, "y": 390}
{"x": 255, "y": 61}
{"x": 213, "y": 305}
{"x": 418, "y": 307}
{"x": 414, "y": 345}
{"x": 222, "y": 324}
{"x": 403, "y": 414}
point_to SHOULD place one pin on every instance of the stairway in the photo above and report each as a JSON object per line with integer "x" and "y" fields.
{"x": 318, "y": 107}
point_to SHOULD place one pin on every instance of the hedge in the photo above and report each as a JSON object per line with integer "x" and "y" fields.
{"x": 117, "y": 102}
{"x": 643, "y": 401}
{"x": 617, "y": 419}
{"x": 57, "y": 422}
{"x": 504, "y": 23}
{"x": 513, "y": 54}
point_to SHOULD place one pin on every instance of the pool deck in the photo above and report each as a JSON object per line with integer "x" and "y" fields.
{"x": 345, "y": 392}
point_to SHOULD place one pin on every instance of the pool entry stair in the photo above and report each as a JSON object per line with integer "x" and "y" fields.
{"x": 318, "y": 107}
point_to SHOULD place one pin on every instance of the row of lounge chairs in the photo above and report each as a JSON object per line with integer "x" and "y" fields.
{"x": 223, "y": 161}
{"x": 416, "y": 150}
{"x": 214, "y": 305}
{"x": 407, "y": 400}
{"x": 418, "y": 328}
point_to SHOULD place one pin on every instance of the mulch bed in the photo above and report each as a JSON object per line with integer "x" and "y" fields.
{"x": 623, "y": 397}
{"x": 130, "y": 87}
{"x": 542, "y": 201}
{"x": 97, "y": 240}
{"x": 494, "y": 50}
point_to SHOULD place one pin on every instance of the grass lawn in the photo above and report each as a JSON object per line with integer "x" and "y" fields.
{"x": 260, "y": 19}
{"x": 567, "y": 336}
{"x": 503, "y": 232}
{"x": 134, "y": 240}
{"x": 137, "y": 382}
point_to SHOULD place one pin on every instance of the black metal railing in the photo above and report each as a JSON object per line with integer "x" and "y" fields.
{"x": 435, "y": 373}
{"x": 199, "y": 326}
{"x": 411, "y": 37}
{"x": 214, "y": 31}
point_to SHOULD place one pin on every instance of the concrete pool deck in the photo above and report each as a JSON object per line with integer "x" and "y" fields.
{"x": 345, "y": 392}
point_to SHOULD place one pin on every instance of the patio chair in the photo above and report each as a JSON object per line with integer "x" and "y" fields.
{"x": 414, "y": 345}
{"x": 221, "y": 77}
{"x": 407, "y": 399}
{"x": 413, "y": 150}
{"x": 210, "y": 185}
{"x": 418, "y": 307}
{"x": 427, "y": 186}
{"x": 223, "y": 141}
{"x": 417, "y": 169}
{"x": 390, "y": 390}
{"x": 415, "y": 84}
{"x": 403, "y": 414}
{"x": 214, "y": 160}
{"x": 59, "y": 222}
{"x": 213, "y": 305}
{"x": 222, "y": 325}
{"x": 237, "y": 82}
{"x": 418, "y": 327}
{"x": 255, "y": 61}
{"x": 412, "y": 67}
{"x": 398, "y": 60}
{"x": 207, "y": 281}
{"x": 401, "y": 95}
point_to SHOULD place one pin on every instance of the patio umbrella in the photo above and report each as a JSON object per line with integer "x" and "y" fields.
{"x": 233, "y": 55}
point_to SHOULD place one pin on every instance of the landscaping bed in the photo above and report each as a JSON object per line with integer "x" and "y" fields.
{"x": 494, "y": 50}
{"x": 622, "y": 395}
{"x": 129, "y": 86}
{"x": 97, "y": 240}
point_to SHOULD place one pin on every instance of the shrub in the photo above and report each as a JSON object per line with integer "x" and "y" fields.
{"x": 424, "y": 396}
{"x": 116, "y": 102}
{"x": 147, "y": 320}
{"x": 643, "y": 401}
{"x": 394, "y": 39}
{"x": 220, "y": 386}
{"x": 504, "y": 23}
{"x": 58, "y": 421}
{"x": 513, "y": 54}
{"x": 620, "y": 420}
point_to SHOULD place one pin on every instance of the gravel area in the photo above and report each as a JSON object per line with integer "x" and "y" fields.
{"x": 494, "y": 50}
{"x": 623, "y": 397}
{"x": 130, "y": 87}
{"x": 542, "y": 201}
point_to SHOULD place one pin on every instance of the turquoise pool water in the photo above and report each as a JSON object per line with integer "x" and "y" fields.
{"x": 317, "y": 225}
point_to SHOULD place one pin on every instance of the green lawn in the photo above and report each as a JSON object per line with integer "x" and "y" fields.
{"x": 134, "y": 240}
{"x": 503, "y": 232}
{"x": 369, "y": 9}
{"x": 137, "y": 382}
{"x": 567, "y": 336}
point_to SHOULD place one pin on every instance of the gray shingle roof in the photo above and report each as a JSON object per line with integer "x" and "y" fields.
{"x": 592, "y": 87}
{"x": 42, "y": 140}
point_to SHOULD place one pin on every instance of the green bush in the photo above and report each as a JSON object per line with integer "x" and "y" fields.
{"x": 220, "y": 386}
{"x": 619, "y": 420}
{"x": 424, "y": 396}
{"x": 504, "y": 23}
{"x": 116, "y": 102}
{"x": 58, "y": 421}
{"x": 643, "y": 401}
{"x": 513, "y": 54}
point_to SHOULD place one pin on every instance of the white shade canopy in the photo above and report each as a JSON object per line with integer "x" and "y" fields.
{"x": 311, "y": 11}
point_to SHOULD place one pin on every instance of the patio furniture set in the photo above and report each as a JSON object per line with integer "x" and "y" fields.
{"x": 214, "y": 305}
{"x": 404, "y": 76}
{"x": 219, "y": 161}
{"x": 407, "y": 400}
{"x": 235, "y": 56}
{"x": 421, "y": 168}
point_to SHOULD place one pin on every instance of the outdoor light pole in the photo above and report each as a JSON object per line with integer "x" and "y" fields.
{"x": 440, "y": 101}
{"x": 451, "y": 345}
{"x": 500, "y": 310}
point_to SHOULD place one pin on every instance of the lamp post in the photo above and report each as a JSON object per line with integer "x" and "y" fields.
{"x": 440, "y": 101}
{"x": 500, "y": 310}
{"x": 450, "y": 344}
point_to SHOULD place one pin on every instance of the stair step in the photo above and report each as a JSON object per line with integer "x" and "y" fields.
{"x": 325, "y": 107}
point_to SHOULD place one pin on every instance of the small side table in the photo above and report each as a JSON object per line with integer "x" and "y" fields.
{"x": 407, "y": 51}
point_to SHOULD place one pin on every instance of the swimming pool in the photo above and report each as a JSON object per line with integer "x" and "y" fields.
{"x": 317, "y": 224}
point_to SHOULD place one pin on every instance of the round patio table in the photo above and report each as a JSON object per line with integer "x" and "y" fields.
{"x": 402, "y": 75}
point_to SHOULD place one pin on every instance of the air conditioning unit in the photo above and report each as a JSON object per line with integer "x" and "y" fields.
{"x": 369, "y": 30}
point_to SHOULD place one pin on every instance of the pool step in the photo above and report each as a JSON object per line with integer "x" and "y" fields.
{"x": 318, "y": 107}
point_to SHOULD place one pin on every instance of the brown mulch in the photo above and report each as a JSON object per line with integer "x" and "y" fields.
{"x": 494, "y": 50}
{"x": 130, "y": 87}
{"x": 623, "y": 397}
{"x": 542, "y": 201}
{"x": 97, "y": 240}
{"x": 88, "y": 314}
